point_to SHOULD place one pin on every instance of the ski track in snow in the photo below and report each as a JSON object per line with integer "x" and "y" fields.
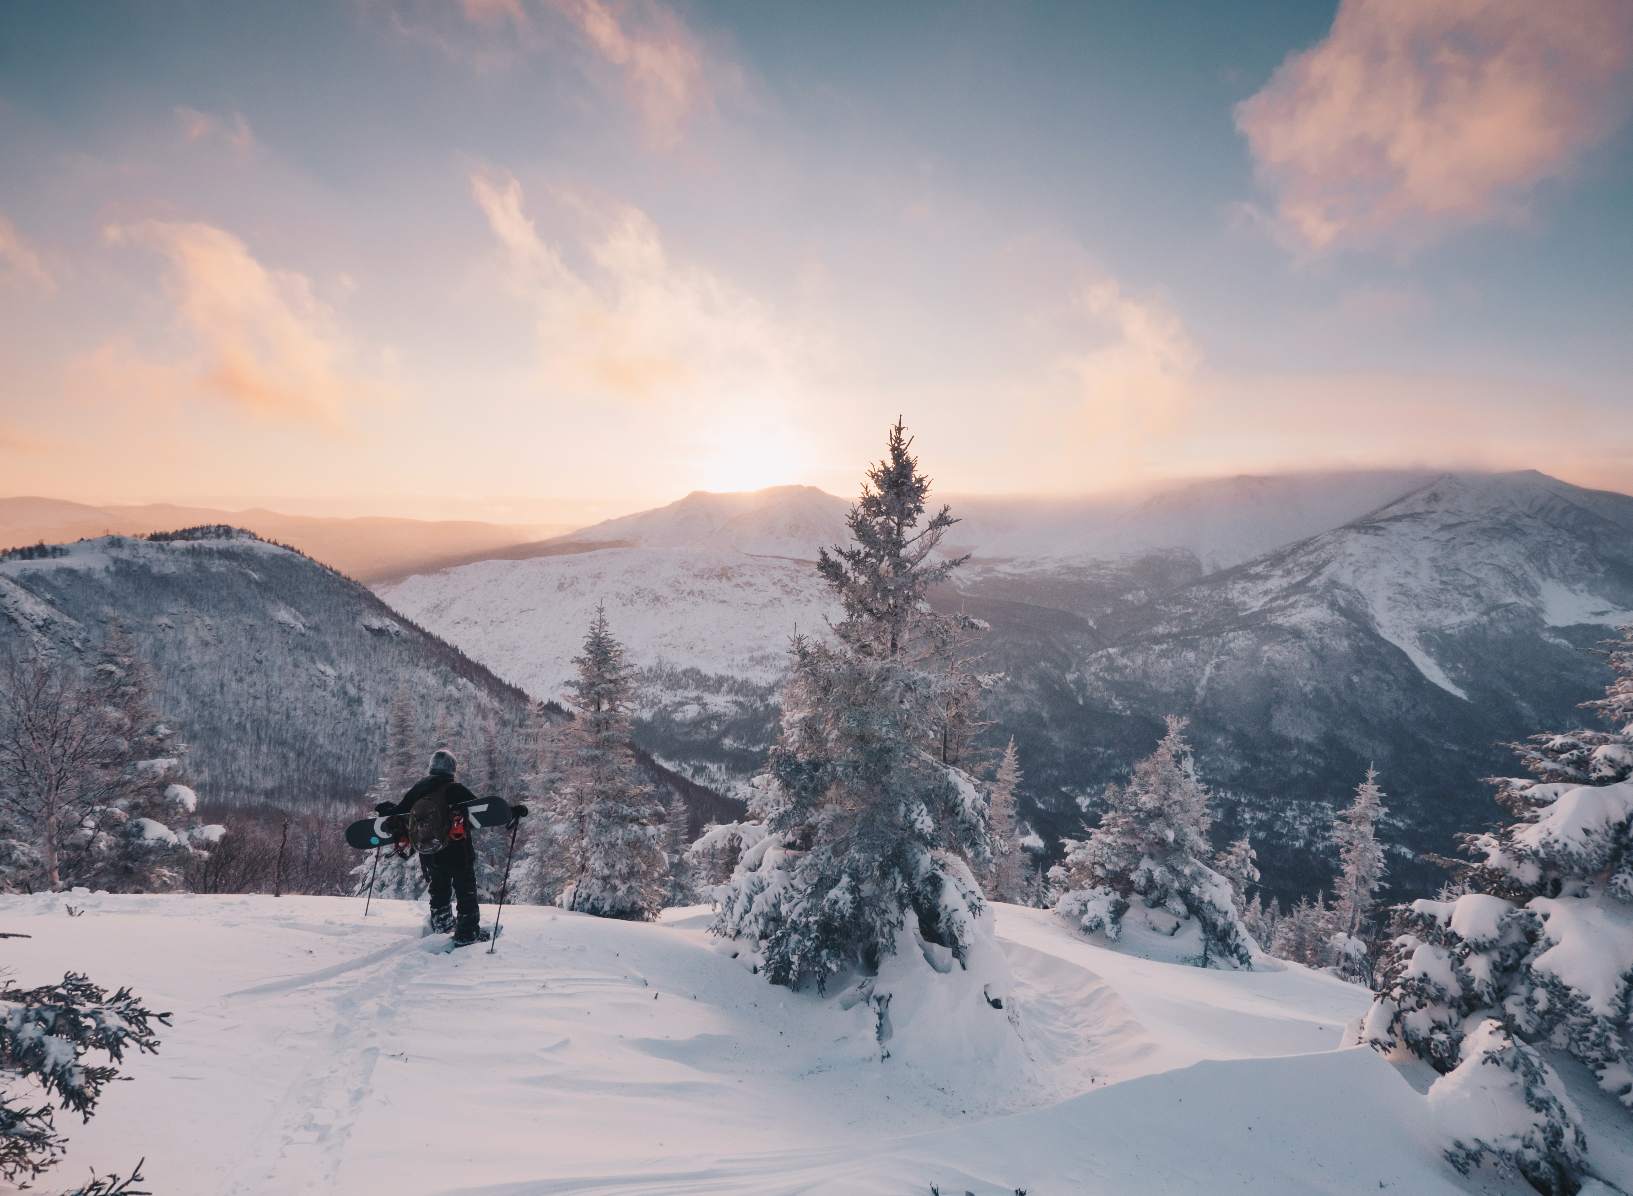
{"x": 315, "y": 1052}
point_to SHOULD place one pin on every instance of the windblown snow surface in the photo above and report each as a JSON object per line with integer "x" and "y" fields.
{"x": 315, "y": 1051}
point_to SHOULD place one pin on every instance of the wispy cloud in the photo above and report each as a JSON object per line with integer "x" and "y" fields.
{"x": 642, "y": 327}
{"x": 1418, "y": 115}
{"x": 658, "y": 61}
{"x": 663, "y": 68}
{"x": 256, "y": 338}
{"x": 20, "y": 262}
{"x": 203, "y": 127}
{"x": 1140, "y": 381}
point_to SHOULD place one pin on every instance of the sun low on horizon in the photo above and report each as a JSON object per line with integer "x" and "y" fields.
{"x": 579, "y": 251}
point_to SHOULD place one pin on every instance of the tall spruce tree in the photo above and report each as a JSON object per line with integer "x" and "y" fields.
{"x": 681, "y": 887}
{"x": 1360, "y": 856}
{"x": 614, "y": 819}
{"x": 1010, "y": 867}
{"x": 406, "y": 761}
{"x": 545, "y": 870}
{"x": 868, "y": 829}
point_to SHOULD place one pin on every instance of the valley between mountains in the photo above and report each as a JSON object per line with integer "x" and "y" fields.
{"x": 1308, "y": 627}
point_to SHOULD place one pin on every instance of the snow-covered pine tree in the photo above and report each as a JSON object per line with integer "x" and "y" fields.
{"x": 1360, "y": 856}
{"x": 131, "y": 845}
{"x": 614, "y": 838}
{"x": 866, "y": 829}
{"x": 1534, "y": 952}
{"x": 89, "y": 776}
{"x": 545, "y": 870}
{"x": 1238, "y": 864}
{"x": 1010, "y": 867}
{"x": 1355, "y": 943}
{"x": 1262, "y": 920}
{"x": 681, "y": 887}
{"x": 1304, "y": 935}
{"x": 406, "y": 762}
{"x": 491, "y": 768}
{"x": 45, "y": 1033}
{"x": 1151, "y": 845}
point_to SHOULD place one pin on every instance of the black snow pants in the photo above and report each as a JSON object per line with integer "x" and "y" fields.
{"x": 454, "y": 867}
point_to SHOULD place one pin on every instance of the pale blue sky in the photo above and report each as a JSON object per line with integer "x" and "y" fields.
{"x": 577, "y": 247}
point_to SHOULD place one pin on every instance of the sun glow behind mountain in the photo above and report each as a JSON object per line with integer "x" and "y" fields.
{"x": 753, "y": 456}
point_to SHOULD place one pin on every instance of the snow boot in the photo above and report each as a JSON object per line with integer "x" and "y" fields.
{"x": 441, "y": 920}
{"x": 464, "y": 938}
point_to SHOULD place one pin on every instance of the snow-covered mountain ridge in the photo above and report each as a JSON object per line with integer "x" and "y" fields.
{"x": 1219, "y": 523}
{"x": 279, "y": 670}
{"x": 785, "y": 521}
{"x": 1435, "y": 617}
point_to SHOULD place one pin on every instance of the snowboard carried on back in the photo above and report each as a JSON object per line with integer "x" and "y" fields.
{"x": 368, "y": 833}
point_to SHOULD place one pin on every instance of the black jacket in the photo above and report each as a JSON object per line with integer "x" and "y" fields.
{"x": 456, "y": 792}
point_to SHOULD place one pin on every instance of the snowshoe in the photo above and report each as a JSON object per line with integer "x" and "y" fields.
{"x": 476, "y": 936}
{"x": 440, "y": 921}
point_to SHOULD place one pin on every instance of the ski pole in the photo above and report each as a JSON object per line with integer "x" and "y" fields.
{"x": 372, "y": 875}
{"x": 503, "y": 885}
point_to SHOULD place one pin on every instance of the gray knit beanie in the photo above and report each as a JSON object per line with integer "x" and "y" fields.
{"x": 443, "y": 762}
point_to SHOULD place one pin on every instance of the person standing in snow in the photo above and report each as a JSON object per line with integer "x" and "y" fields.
{"x": 443, "y": 838}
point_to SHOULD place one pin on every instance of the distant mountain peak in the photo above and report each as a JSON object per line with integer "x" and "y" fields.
{"x": 781, "y": 521}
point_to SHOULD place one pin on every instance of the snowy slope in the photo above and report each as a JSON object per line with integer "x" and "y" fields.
{"x": 314, "y": 1052}
{"x": 711, "y": 609}
{"x": 1443, "y": 557}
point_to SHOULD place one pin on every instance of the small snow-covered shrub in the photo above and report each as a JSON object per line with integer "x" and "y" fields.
{"x": 44, "y": 1035}
{"x": 1539, "y": 941}
{"x": 1503, "y": 1103}
{"x": 1151, "y": 847}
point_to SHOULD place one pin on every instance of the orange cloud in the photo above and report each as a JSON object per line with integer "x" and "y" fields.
{"x": 650, "y": 330}
{"x": 663, "y": 70}
{"x": 19, "y": 261}
{"x": 1414, "y": 115}
{"x": 261, "y": 341}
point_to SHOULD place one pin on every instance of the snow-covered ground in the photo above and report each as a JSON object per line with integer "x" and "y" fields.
{"x": 315, "y": 1052}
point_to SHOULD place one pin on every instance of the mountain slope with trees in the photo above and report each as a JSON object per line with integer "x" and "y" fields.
{"x": 278, "y": 671}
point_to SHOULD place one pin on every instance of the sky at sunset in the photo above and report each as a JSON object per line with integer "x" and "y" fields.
{"x": 333, "y": 253}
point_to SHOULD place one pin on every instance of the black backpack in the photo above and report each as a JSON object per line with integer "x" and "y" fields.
{"x": 433, "y": 823}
